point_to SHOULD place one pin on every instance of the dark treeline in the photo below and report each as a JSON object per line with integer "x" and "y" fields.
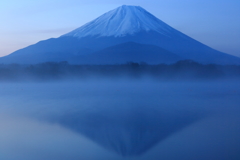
{"x": 180, "y": 70}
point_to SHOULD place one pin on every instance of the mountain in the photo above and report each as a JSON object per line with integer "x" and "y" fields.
{"x": 103, "y": 37}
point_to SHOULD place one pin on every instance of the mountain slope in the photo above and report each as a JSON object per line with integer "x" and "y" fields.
{"x": 121, "y": 25}
{"x": 128, "y": 52}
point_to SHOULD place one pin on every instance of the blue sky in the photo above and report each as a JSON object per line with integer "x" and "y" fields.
{"x": 215, "y": 23}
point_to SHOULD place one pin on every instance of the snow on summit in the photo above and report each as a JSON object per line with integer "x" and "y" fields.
{"x": 124, "y": 20}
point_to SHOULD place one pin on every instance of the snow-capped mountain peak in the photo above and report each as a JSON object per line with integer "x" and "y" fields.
{"x": 124, "y": 20}
{"x": 125, "y": 34}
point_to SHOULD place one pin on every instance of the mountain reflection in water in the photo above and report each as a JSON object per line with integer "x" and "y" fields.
{"x": 128, "y": 131}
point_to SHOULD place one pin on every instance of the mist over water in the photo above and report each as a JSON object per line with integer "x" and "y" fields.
{"x": 120, "y": 119}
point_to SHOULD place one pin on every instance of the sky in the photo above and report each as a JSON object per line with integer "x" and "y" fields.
{"x": 215, "y": 23}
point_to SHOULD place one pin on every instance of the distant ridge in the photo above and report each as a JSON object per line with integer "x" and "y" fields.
{"x": 120, "y": 26}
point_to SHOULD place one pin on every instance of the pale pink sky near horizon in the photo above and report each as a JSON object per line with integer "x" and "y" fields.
{"x": 214, "y": 23}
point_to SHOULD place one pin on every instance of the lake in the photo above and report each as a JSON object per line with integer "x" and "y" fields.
{"x": 120, "y": 120}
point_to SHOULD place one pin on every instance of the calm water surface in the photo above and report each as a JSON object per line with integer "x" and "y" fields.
{"x": 120, "y": 120}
